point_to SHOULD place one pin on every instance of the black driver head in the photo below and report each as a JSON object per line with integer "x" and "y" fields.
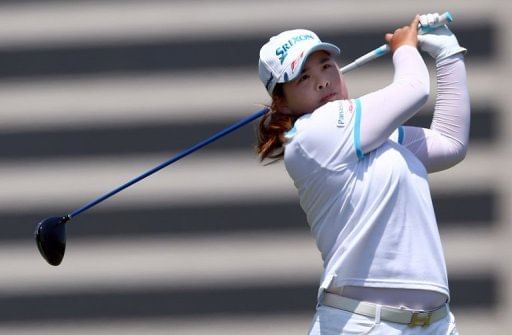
{"x": 50, "y": 237}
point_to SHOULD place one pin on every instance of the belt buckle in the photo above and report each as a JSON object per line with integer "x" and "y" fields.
{"x": 423, "y": 319}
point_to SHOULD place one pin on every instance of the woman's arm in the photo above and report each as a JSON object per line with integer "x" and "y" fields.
{"x": 445, "y": 143}
{"x": 385, "y": 110}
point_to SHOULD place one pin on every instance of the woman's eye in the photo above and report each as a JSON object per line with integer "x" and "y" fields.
{"x": 327, "y": 65}
{"x": 303, "y": 77}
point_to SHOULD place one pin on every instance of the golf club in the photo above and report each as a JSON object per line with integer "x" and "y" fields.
{"x": 50, "y": 233}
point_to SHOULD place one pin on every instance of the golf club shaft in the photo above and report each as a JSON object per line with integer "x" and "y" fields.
{"x": 173, "y": 159}
{"x": 380, "y": 51}
{"x": 384, "y": 49}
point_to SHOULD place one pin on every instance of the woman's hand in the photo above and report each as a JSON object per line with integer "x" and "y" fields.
{"x": 407, "y": 35}
{"x": 439, "y": 43}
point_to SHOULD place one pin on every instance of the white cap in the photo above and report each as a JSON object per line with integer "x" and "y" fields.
{"x": 283, "y": 56}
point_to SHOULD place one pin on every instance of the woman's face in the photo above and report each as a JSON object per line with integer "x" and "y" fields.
{"x": 319, "y": 82}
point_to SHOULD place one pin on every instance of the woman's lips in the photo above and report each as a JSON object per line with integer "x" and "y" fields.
{"x": 329, "y": 97}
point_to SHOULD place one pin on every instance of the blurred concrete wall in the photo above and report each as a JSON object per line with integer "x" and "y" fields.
{"x": 93, "y": 93}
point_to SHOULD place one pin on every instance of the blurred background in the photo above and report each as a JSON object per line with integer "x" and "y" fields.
{"x": 93, "y": 93}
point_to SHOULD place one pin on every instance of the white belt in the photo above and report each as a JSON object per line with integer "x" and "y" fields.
{"x": 388, "y": 313}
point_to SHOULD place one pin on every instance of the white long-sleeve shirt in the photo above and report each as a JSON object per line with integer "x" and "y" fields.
{"x": 365, "y": 195}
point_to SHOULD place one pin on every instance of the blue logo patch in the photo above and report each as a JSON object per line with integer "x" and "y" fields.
{"x": 282, "y": 51}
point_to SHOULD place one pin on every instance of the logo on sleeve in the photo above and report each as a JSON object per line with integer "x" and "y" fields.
{"x": 341, "y": 116}
{"x": 345, "y": 111}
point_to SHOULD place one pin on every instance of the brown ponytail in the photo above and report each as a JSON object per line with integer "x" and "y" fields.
{"x": 272, "y": 127}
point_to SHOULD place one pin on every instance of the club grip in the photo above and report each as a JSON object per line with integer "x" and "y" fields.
{"x": 442, "y": 19}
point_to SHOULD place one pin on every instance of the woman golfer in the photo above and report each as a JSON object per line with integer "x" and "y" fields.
{"x": 362, "y": 176}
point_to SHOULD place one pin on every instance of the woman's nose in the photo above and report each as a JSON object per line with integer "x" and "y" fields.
{"x": 322, "y": 84}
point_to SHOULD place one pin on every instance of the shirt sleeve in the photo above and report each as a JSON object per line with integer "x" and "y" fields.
{"x": 445, "y": 143}
{"x": 325, "y": 138}
{"x": 398, "y": 135}
{"x": 385, "y": 110}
